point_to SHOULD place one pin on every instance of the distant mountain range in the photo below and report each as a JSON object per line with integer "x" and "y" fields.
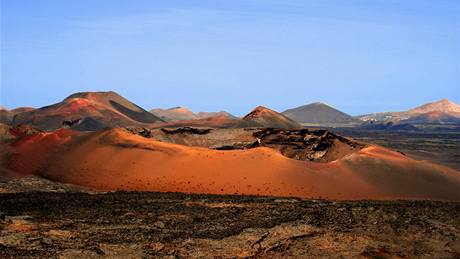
{"x": 259, "y": 117}
{"x": 88, "y": 111}
{"x": 440, "y": 112}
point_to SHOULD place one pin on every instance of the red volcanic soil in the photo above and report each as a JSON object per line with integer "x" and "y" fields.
{"x": 32, "y": 152}
{"x": 116, "y": 159}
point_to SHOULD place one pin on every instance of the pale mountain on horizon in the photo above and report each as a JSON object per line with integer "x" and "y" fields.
{"x": 203, "y": 115}
{"x": 318, "y": 113}
{"x": 443, "y": 105}
{"x": 442, "y": 111}
{"x": 174, "y": 113}
{"x": 182, "y": 113}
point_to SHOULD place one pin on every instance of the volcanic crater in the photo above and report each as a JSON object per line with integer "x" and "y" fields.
{"x": 301, "y": 144}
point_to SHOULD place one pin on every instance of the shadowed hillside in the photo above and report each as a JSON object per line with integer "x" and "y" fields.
{"x": 87, "y": 111}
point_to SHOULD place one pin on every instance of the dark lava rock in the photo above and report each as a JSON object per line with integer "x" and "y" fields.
{"x": 148, "y": 225}
{"x": 186, "y": 130}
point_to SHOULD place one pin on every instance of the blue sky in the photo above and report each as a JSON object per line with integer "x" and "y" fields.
{"x": 359, "y": 56}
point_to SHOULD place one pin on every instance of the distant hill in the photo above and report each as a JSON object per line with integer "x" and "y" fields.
{"x": 87, "y": 111}
{"x": 6, "y": 116}
{"x": 203, "y": 115}
{"x": 182, "y": 113}
{"x": 174, "y": 114}
{"x": 442, "y": 111}
{"x": 264, "y": 117}
{"x": 318, "y": 113}
{"x": 443, "y": 105}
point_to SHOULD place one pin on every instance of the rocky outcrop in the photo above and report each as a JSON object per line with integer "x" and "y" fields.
{"x": 300, "y": 144}
{"x": 305, "y": 144}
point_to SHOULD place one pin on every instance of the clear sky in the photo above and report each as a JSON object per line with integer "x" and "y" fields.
{"x": 359, "y": 56}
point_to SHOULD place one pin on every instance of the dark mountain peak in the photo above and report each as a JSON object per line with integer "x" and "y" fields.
{"x": 318, "y": 113}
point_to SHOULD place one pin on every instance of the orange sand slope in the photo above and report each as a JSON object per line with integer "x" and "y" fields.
{"x": 116, "y": 159}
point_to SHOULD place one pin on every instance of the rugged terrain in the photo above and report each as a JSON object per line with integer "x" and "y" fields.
{"x": 302, "y": 144}
{"x": 300, "y": 163}
{"x": 53, "y": 218}
{"x": 438, "y": 145}
{"x": 70, "y": 223}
